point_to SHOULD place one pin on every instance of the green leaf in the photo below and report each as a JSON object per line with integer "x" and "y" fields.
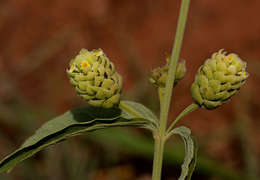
{"x": 135, "y": 110}
{"x": 194, "y": 159}
{"x": 191, "y": 149}
{"x": 76, "y": 122}
{"x": 140, "y": 145}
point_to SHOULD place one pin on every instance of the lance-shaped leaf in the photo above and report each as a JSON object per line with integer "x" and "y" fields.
{"x": 191, "y": 149}
{"x": 78, "y": 121}
{"x": 133, "y": 110}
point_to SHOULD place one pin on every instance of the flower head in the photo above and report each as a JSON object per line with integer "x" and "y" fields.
{"x": 95, "y": 79}
{"x": 159, "y": 75}
{"x": 219, "y": 78}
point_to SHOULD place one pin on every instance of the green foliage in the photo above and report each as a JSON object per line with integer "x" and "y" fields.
{"x": 142, "y": 146}
{"x": 96, "y": 81}
{"x": 191, "y": 148}
{"x": 135, "y": 110}
{"x": 76, "y": 122}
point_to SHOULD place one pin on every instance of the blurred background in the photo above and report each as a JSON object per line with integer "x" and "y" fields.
{"x": 38, "y": 39}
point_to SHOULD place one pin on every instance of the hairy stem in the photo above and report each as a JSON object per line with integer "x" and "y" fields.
{"x": 166, "y": 99}
{"x": 158, "y": 157}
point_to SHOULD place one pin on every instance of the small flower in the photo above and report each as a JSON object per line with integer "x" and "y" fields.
{"x": 219, "y": 78}
{"x": 159, "y": 75}
{"x": 95, "y": 79}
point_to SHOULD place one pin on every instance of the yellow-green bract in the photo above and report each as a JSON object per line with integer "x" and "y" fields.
{"x": 219, "y": 78}
{"x": 95, "y": 79}
{"x": 159, "y": 75}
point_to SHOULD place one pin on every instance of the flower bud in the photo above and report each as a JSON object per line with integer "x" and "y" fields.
{"x": 159, "y": 75}
{"x": 219, "y": 78}
{"x": 95, "y": 79}
{"x": 180, "y": 71}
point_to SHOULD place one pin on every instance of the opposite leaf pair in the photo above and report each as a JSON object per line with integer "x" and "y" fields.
{"x": 96, "y": 81}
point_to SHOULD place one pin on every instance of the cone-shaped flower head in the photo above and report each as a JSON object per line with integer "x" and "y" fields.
{"x": 159, "y": 75}
{"x": 95, "y": 79}
{"x": 219, "y": 78}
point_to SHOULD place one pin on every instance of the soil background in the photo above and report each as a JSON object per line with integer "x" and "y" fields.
{"x": 38, "y": 39}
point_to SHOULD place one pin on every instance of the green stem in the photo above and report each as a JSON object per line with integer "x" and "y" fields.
{"x": 173, "y": 64}
{"x": 186, "y": 111}
{"x": 161, "y": 94}
{"x": 165, "y": 104}
{"x": 158, "y": 157}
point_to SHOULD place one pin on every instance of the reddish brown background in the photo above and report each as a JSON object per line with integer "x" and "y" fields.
{"x": 38, "y": 38}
